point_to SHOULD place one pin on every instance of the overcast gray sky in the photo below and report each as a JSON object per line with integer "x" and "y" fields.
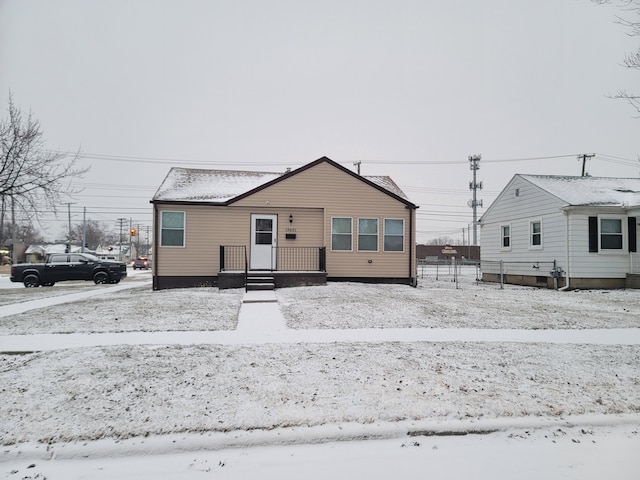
{"x": 410, "y": 88}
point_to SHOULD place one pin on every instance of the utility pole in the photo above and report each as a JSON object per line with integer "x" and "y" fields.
{"x": 121, "y": 223}
{"x": 138, "y": 253}
{"x": 147, "y": 242}
{"x": 69, "y": 214}
{"x": 357, "y": 164}
{"x": 84, "y": 228}
{"x": 585, "y": 157}
{"x": 474, "y": 161}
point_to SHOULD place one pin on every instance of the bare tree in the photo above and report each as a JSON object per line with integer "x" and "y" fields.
{"x": 630, "y": 19}
{"x": 95, "y": 233}
{"x": 442, "y": 241}
{"x": 31, "y": 177}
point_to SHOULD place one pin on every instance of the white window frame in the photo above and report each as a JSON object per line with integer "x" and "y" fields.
{"x": 532, "y": 246}
{"x": 184, "y": 228}
{"x": 623, "y": 234}
{"x": 385, "y": 235}
{"x": 377, "y": 234}
{"x": 350, "y": 234}
{"x": 502, "y": 237}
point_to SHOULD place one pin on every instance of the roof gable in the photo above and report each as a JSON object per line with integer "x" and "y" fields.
{"x": 381, "y": 183}
{"x": 225, "y": 187}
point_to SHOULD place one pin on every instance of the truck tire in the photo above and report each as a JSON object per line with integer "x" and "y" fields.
{"x": 49, "y": 284}
{"x": 101, "y": 278}
{"x": 31, "y": 281}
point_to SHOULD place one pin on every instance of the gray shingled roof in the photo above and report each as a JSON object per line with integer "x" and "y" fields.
{"x": 199, "y": 185}
{"x": 585, "y": 191}
{"x": 220, "y": 186}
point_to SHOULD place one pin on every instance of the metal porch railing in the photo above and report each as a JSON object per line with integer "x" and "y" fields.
{"x": 288, "y": 259}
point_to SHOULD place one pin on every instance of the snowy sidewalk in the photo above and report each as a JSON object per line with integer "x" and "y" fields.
{"x": 245, "y": 336}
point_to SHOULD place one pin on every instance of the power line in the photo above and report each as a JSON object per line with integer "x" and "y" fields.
{"x": 168, "y": 160}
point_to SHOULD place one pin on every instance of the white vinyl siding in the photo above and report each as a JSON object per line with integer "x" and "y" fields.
{"x": 172, "y": 229}
{"x": 612, "y": 263}
{"x": 560, "y": 227}
{"x": 518, "y": 212}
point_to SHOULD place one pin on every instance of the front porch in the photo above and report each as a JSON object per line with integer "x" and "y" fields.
{"x": 291, "y": 267}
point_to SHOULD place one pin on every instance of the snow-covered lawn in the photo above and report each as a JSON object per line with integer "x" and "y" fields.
{"x": 134, "y": 310}
{"x": 439, "y": 304}
{"x": 132, "y": 394}
{"x": 434, "y": 304}
{"x": 118, "y": 392}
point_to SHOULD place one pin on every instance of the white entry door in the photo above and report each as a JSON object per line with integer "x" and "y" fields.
{"x": 264, "y": 237}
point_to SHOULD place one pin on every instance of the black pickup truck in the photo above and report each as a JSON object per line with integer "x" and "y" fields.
{"x": 59, "y": 267}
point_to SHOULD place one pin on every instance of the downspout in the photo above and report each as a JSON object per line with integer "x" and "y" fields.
{"x": 154, "y": 260}
{"x": 414, "y": 281}
{"x": 567, "y": 254}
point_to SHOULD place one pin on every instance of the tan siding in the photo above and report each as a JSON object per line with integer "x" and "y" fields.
{"x": 318, "y": 194}
{"x": 342, "y": 195}
{"x": 208, "y": 227}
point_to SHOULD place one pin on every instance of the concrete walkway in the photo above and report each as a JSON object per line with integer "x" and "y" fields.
{"x": 260, "y": 313}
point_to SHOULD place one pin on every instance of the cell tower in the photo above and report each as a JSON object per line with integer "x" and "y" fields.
{"x": 474, "y": 186}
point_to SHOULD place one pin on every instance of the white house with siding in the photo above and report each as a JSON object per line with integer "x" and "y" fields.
{"x": 320, "y": 222}
{"x": 582, "y": 228}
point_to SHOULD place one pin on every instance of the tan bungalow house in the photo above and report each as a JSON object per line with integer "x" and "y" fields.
{"x": 316, "y": 223}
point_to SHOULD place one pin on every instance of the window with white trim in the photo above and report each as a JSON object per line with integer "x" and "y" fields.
{"x": 505, "y": 237}
{"x": 341, "y": 233}
{"x": 172, "y": 226}
{"x": 394, "y": 235}
{"x": 368, "y": 234}
{"x": 611, "y": 234}
{"x": 535, "y": 234}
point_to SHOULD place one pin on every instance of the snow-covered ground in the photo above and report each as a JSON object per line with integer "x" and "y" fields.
{"x": 556, "y": 408}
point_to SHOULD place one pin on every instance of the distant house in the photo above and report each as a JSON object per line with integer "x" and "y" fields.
{"x": 584, "y": 226}
{"x": 37, "y": 253}
{"x": 316, "y": 223}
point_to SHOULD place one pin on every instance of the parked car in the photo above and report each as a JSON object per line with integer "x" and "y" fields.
{"x": 59, "y": 267}
{"x": 141, "y": 262}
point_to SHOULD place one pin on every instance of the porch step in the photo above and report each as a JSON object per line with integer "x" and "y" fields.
{"x": 260, "y": 282}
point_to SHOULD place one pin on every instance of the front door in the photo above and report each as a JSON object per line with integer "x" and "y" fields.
{"x": 263, "y": 241}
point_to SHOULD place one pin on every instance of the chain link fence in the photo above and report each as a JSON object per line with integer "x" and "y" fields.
{"x": 540, "y": 274}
